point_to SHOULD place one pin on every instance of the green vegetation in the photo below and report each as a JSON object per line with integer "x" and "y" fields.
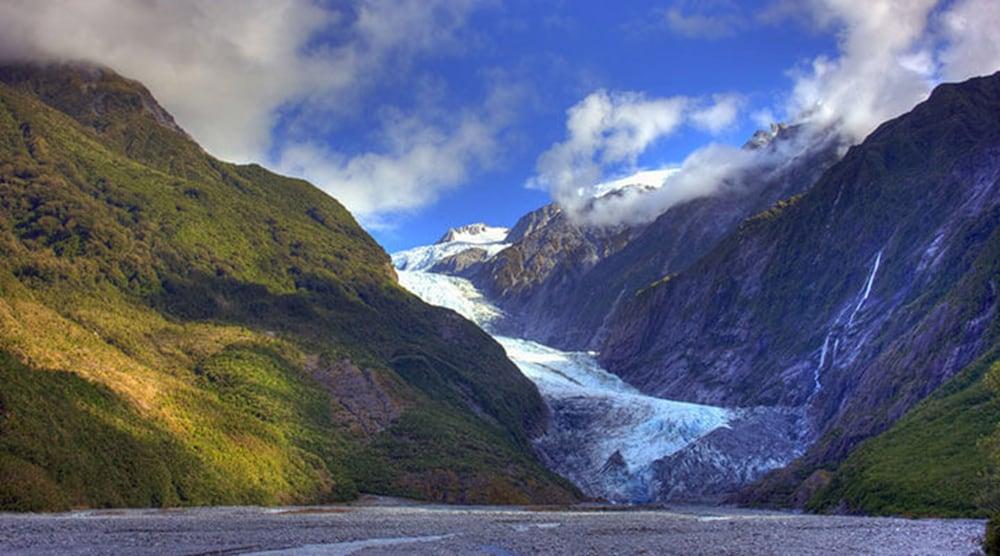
{"x": 991, "y": 544}
{"x": 939, "y": 459}
{"x": 935, "y": 461}
{"x": 172, "y": 328}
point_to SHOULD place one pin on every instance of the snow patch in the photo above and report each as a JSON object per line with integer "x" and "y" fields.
{"x": 474, "y": 236}
{"x": 642, "y": 180}
{"x": 478, "y": 233}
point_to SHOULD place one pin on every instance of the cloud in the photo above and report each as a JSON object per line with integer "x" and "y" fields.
{"x": 228, "y": 69}
{"x": 709, "y": 170}
{"x": 420, "y": 160}
{"x": 890, "y": 54}
{"x": 608, "y": 131}
{"x": 704, "y": 172}
{"x": 220, "y": 67}
{"x": 763, "y": 118}
{"x": 419, "y": 155}
{"x": 972, "y": 41}
{"x": 642, "y": 179}
{"x": 720, "y": 115}
{"x": 873, "y": 78}
{"x": 704, "y": 20}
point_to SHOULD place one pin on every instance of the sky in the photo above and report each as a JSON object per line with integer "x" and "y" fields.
{"x": 420, "y": 115}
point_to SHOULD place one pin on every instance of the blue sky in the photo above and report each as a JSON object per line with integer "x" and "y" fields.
{"x": 420, "y": 115}
{"x": 559, "y": 52}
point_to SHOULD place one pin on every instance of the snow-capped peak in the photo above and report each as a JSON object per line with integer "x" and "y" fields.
{"x": 644, "y": 180}
{"x": 473, "y": 236}
{"x": 475, "y": 233}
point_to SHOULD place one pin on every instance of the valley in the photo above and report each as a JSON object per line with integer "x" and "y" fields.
{"x": 821, "y": 333}
{"x": 813, "y": 325}
{"x": 499, "y": 277}
{"x": 607, "y": 437}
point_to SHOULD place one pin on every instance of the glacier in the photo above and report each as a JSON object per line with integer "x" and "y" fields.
{"x": 604, "y": 435}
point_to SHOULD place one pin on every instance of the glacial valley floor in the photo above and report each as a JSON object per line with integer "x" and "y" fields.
{"x": 378, "y": 527}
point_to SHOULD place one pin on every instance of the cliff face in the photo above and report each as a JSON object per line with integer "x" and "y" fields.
{"x": 175, "y": 329}
{"x": 852, "y": 301}
{"x": 535, "y": 279}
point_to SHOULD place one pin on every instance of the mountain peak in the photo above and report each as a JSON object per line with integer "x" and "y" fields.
{"x": 93, "y": 94}
{"x": 121, "y": 112}
{"x": 763, "y": 137}
{"x": 475, "y": 233}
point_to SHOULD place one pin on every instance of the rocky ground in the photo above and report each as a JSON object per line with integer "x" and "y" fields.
{"x": 380, "y": 528}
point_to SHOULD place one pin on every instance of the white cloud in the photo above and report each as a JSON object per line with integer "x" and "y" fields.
{"x": 420, "y": 162}
{"x": 608, "y": 131}
{"x": 709, "y": 170}
{"x": 420, "y": 155}
{"x": 720, "y": 115}
{"x": 763, "y": 118}
{"x": 643, "y": 179}
{"x": 224, "y": 69}
{"x": 712, "y": 19}
{"x": 972, "y": 39}
{"x": 220, "y": 67}
{"x": 704, "y": 172}
{"x": 873, "y": 77}
{"x": 891, "y": 53}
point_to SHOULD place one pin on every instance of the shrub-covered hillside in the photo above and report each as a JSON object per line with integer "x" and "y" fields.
{"x": 176, "y": 330}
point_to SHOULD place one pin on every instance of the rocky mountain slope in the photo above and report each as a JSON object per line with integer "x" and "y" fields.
{"x": 177, "y": 330}
{"x": 852, "y": 302}
{"x": 533, "y": 278}
{"x": 560, "y": 279}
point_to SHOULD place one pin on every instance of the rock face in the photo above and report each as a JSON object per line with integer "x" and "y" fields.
{"x": 854, "y": 300}
{"x": 535, "y": 279}
{"x": 362, "y": 401}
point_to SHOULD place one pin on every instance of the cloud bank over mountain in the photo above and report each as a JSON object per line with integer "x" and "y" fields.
{"x": 609, "y": 130}
{"x": 891, "y": 53}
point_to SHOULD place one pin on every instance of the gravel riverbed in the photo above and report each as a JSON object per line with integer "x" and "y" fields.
{"x": 379, "y": 528}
